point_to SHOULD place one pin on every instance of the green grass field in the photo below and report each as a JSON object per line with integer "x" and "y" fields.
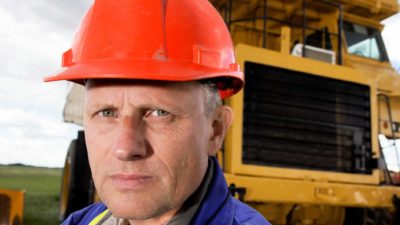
{"x": 42, "y": 186}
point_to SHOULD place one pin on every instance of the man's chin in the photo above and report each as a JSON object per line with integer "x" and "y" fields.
{"x": 137, "y": 211}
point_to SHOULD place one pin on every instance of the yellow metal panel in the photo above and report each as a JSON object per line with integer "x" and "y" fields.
{"x": 303, "y": 174}
{"x": 17, "y": 205}
{"x": 285, "y": 40}
{"x": 387, "y": 81}
{"x": 233, "y": 144}
{"x": 233, "y": 140}
{"x": 308, "y": 66}
{"x": 384, "y": 120}
{"x": 395, "y": 107}
{"x": 363, "y": 21}
{"x": 380, "y": 73}
{"x": 376, "y": 9}
{"x": 308, "y": 192}
{"x": 374, "y": 121}
{"x": 395, "y": 94}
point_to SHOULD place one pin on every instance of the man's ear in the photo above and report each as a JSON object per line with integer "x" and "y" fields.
{"x": 222, "y": 119}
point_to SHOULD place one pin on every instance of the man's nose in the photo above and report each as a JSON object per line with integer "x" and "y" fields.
{"x": 130, "y": 141}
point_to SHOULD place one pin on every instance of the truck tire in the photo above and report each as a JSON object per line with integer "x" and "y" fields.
{"x": 76, "y": 184}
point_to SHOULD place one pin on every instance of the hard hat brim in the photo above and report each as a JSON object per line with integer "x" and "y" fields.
{"x": 148, "y": 70}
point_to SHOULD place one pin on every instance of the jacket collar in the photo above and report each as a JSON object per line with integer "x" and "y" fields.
{"x": 217, "y": 206}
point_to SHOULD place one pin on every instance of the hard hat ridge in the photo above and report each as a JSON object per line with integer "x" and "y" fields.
{"x": 167, "y": 40}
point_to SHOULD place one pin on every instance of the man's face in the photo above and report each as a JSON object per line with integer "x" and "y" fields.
{"x": 148, "y": 144}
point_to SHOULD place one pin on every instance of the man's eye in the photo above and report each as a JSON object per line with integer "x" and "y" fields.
{"x": 159, "y": 112}
{"x": 107, "y": 113}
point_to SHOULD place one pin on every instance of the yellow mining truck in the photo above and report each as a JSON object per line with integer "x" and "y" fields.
{"x": 314, "y": 137}
{"x": 11, "y": 207}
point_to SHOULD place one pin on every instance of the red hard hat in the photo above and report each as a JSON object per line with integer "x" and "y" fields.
{"x": 167, "y": 40}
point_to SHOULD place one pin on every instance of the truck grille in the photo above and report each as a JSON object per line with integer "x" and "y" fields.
{"x": 296, "y": 120}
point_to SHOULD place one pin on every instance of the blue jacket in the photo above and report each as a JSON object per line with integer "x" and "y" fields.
{"x": 217, "y": 208}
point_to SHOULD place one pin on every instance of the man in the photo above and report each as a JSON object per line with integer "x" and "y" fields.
{"x": 154, "y": 75}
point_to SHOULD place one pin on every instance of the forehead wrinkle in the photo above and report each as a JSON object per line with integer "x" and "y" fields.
{"x": 100, "y": 97}
{"x": 163, "y": 96}
{"x": 151, "y": 99}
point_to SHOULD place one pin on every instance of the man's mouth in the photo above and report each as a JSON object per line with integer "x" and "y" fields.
{"x": 131, "y": 181}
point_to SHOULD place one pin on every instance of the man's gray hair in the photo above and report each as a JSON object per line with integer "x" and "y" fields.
{"x": 213, "y": 98}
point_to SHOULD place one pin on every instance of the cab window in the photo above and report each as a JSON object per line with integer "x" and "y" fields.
{"x": 364, "y": 41}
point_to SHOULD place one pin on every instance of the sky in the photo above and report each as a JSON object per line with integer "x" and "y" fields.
{"x": 33, "y": 35}
{"x": 391, "y": 34}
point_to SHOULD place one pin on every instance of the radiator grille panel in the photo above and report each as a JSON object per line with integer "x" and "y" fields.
{"x": 297, "y": 120}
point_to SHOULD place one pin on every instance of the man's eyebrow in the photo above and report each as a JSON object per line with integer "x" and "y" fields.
{"x": 163, "y": 106}
{"x": 93, "y": 106}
